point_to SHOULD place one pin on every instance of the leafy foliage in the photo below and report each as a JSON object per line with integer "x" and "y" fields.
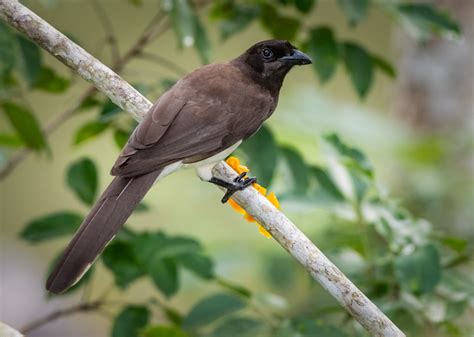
{"x": 403, "y": 264}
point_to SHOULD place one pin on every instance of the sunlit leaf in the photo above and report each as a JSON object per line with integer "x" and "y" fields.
{"x": 262, "y": 153}
{"x": 82, "y": 179}
{"x": 211, "y": 308}
{"x": 427, "y": 19}
{"x": 12, "y": 141}
{"x": 25, "y": 124}
{"x": 89, "y": 130}
{"x": 355, "y": 10}
{"x": 419, "y": 271}
{"x": 48, "y": 80}
{"x": 130, "y": 321}
{"x": 323, "y": 48}
{"x": 51, "y": 226}
{"x": 359, "y": 64}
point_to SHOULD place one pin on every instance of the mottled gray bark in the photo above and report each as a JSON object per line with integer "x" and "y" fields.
{"x": 274, "y": 221}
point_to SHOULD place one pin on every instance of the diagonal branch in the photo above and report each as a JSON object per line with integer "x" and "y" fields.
{"x": 281, "y": 228}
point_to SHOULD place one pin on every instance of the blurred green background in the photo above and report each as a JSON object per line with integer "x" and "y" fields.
{"x": 415, "y": 129}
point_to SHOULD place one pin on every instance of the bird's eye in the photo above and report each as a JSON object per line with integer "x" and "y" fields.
{"x": 267, "y": 53}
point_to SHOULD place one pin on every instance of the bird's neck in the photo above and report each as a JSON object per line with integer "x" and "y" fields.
{"x": 271, "y": 82}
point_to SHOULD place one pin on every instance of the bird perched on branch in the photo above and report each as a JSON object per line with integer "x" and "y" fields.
{"x": 199, "y": 121}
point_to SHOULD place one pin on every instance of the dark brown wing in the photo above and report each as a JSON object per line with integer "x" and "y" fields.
{"x": 203, "y": 114}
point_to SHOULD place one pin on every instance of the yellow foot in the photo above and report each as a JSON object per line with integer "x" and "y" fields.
{"x": 235, "y": 164}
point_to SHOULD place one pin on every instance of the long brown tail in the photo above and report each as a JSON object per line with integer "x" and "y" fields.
{"x": 101, "y": 225}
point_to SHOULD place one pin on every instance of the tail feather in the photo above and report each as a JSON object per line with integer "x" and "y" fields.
{"x": 105, "y": 219}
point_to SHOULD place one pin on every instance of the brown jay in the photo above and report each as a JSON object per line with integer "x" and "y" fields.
{"x": 198, "y": 122}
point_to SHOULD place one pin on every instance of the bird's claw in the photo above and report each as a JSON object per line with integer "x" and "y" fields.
{"x": 239, "y": 184}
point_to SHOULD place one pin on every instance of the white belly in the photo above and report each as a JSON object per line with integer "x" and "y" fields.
{"x": 203, "y": 167}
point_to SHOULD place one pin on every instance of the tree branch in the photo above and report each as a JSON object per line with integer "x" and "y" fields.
{"x": 82, "y": 307}
{"x": 152, "y": 31}
{"x": 281, "y": 228}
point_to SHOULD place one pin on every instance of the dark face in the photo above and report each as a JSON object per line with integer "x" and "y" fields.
{"x": 271, "y": 60}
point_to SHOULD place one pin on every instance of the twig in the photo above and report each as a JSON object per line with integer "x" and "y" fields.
{"x": 108, "y": 30}
{"x": 151, "y": 32}
{"x": 163, "y": 61}
{"x": 281, "y": 228}
{"x": 55, "y": 315}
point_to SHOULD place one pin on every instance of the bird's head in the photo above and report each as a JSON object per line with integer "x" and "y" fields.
{"x": 269, "y": 61}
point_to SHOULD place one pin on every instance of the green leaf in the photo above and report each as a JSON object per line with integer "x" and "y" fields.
{"x": 51, "y": 226}
{"x": 136, "y": 3}
{"x": 211, "y": 308}
{"x": 354, "y": 157}
{"x": 164, "y": 274}
{"x": 13, "y": 141}
{"x": 142, "y": 207}
{"x": 82, "y": 179}
{"x": 178, "y": 245}
{"x": 130, "y": 321}
{"x": 184, "y": 21}
{"x": 202, "y": 44}
{"x": 49, "y": 81}
{"x": 280, "y": 26}
{"x": 234, "y": 288}
{"x": 162, "y": 331}
{"x": 355, "y": 10}
{"x": 384, "y": 66}
{"x": 7, "y": 48}
{"x": 457, "y": 244}
{"x": 109, "y": 111}
{"x": 262, "y": 152}
{"x": 324, "y": 50}
{"x": 89, "y": 102}
{"x": 30, "y": 60}
{"x": 121, "y": 138}
{"x": 427, "y": 19}
{"x": 419, "y": 271}
{"x": 298, "y": 169}
{"x": 304, "y": 6}
{"x": 199, "y": 264}
{"x": 237, "y": 18}
{"x": 326, "y": 183}
{"x": 146, "y": 244}
{"x": 359, "y": 64}
{"x": 238, "y": 326}
{"x": 26, "y": 124}
{"x": 89, "y": 130}
{"x": 119, "y": 258}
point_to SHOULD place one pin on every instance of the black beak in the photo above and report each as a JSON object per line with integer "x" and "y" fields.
{"x": 296, "y": 57}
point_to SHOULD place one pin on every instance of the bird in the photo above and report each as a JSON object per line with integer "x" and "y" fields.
{"x": 198, "y": 122}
